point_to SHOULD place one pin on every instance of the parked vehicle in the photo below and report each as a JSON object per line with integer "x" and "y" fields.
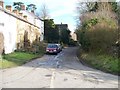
{"x": 59, "y": 47}
{"x": 52, "y": 49}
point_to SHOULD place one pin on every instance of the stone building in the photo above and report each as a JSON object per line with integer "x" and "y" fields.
{"x": 74, "y": 36}
{"x": 19, "y": 28}
{"x": 62, "y": 26}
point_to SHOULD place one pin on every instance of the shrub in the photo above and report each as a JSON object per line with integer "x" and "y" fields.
{"x": 101, "y": 40}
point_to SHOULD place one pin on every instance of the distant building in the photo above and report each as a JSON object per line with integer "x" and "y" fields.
{"x": 62, "y": 26}
{"x": 74, "y": 36}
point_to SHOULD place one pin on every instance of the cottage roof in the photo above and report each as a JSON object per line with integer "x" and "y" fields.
{"x": 31, "y": 14}
{"x": 16, "y": 16}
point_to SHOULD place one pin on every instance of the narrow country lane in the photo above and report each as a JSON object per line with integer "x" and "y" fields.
{"x": 57, "y": 71}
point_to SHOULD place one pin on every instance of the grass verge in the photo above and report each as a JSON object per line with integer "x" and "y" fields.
{"x": 17, "y": 58}
{"x": 102, "y": 62}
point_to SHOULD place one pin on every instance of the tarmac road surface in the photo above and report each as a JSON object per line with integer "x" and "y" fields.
{"x": 56, "y": 71}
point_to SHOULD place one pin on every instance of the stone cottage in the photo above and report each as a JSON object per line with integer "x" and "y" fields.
{"x": 19, "y": 28}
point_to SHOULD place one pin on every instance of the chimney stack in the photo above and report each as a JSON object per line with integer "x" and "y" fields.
{"x": 21, "y": 14}
{"x": 25, "y": 17}
{"x": 22, "y": 7}
{"x": 32, "y": 11}
{"x": 1, "y": 3}
{"x": 15, "y": 11}
{"x": 9, "y": 7}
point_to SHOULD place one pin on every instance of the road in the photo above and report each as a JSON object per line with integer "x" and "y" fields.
{"x": 57, "y": 71}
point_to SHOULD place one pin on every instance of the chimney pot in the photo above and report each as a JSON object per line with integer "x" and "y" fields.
{"x": 22, "y": 7}
{"x": 9, "y": 7}
{"x": 32, "y": 11}
{"x": 15, "y": 11}
{"x": 20, "y": 14}
{"x": 25, "y": 17}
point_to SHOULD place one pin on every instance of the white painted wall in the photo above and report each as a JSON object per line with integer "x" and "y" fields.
{"x": 8, "y": 26}
{"x": 9, "y": 32}
{"x": 1, "y": 21}
{"x": 40, "y": 24}
{"x": 42, "y": 30}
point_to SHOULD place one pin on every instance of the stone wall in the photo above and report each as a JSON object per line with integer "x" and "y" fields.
{"x": 26, "y": 35}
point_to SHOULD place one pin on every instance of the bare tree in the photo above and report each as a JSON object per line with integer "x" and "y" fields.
{"x": 44, "y": 12}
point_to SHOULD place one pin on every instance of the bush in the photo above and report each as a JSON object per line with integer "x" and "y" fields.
{"x": 98, "y": 37}
{"x": 36, "y": 47}
{"x": 101, "y": 40}
{"x": 102, "y": 62}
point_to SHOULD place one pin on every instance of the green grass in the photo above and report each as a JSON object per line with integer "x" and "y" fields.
{"x": 102, "y": 62}
{"x": 17, "y": 58}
